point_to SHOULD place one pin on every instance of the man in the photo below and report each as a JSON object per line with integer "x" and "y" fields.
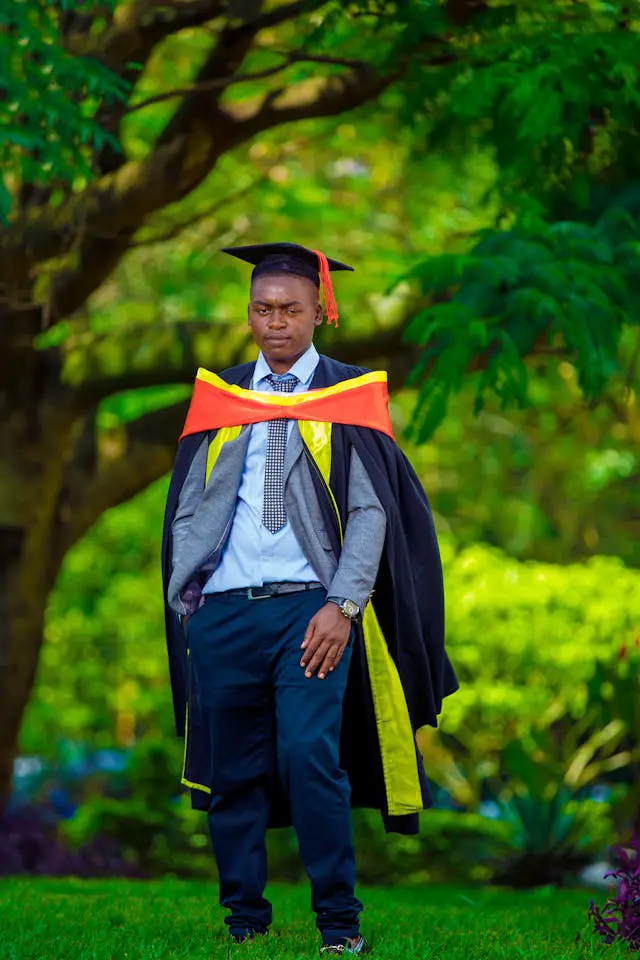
{"x": 290, "y": 507}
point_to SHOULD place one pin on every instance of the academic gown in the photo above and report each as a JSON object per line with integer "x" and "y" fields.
{"x": 400, "y": 676}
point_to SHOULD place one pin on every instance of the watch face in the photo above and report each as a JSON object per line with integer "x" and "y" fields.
{"x": 351, "y": 609}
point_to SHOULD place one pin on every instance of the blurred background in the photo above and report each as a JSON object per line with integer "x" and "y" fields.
{"x": 478, "y": 163}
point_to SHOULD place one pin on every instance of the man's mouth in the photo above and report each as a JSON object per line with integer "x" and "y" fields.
{"x": 275, "y": 339}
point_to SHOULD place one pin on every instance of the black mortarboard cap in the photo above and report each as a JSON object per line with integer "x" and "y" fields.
{"x": 270, "y": 258}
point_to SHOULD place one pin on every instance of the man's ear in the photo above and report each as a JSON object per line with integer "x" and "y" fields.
{"x": 317, "y": 320}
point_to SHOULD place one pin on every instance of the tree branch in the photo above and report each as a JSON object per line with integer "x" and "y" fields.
{"x": 137, "y": 27}
{"x": 93, "y": 391}
{"x": 143, "y": 452}
{"x": 326, "y": 98}
{"x": 98, "y": 224}
{"x": 384, "y": 347}
{"x": 462, "y": 11}
{"x": 177, "y": 228}
{"x": 174, "y": 231}
{"x": 224, "y": 82}
{"x": 288, "y": 11}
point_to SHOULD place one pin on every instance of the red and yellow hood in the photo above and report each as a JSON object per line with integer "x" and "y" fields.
{"x": 360, "y": 402}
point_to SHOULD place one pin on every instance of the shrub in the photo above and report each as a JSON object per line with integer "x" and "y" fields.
{"x": 30, "y": 843}
{"x": 620, "y": 917}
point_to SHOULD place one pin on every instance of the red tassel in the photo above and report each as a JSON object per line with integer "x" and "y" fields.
{"x": 330, "y": 304}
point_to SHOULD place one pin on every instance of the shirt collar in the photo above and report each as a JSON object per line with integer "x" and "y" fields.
{"x": 303, "y": 368}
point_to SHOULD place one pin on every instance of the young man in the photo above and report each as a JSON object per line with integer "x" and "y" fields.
{"x": 290, "y": 508}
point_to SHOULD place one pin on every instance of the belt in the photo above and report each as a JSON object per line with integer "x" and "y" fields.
{"x": 268, "y": 590}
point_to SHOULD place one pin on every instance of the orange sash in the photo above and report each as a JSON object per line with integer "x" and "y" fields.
{"x": 360, "y": 402}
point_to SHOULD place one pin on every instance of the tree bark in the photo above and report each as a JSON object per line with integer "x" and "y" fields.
{"x": 23, "y": 618}
{"x": 36, "y": 436}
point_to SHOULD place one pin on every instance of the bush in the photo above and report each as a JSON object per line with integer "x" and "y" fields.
{"x": 147, "y": 820}
{"x": 521, "y": 635}
{"x": 549, "y": 665}
{"x": 30, "y": 843}
{"x": 551, "y": 839}
{"x": 451, "y": 847}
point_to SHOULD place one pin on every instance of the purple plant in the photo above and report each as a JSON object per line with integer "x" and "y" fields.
{"x": 29, "y": 844}
{"x": 620, "y": 916}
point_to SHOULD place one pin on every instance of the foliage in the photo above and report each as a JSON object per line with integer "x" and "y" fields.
{"x": 620, "y": 916}
{"x": 128, "y": 831}
{"x": 48, "y": 135}
{"x": 552, "y": 94}
{"x": 571, "y": 284}
{"x": 550, "y": 840}
{"x": 547, "y": 92}
{"x": 451, "y": 847}
{"x": 143, "y": 816}
{"x": 550, "y": 87}
{"x": 525, "y": 640}
{"x": 555, "y": 482}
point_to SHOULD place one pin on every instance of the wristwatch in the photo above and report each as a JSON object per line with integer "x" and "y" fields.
{"x": 347, "y": 608}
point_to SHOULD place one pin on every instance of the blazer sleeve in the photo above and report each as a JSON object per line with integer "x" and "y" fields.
{"x": 363, "y": 538}
{"x": 190, "y": 496}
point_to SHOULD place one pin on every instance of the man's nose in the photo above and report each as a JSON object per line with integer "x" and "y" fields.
{"x": 277, "y": 317}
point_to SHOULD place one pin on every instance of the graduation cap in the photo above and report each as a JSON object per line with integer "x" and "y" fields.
{"x": 270, "y": 258}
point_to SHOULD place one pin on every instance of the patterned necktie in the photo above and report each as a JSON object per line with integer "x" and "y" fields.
{"x": 273, "y": 512}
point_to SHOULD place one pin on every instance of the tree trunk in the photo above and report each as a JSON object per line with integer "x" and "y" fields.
{"x": 36, "y": 421}
{"x": 23, "y": 620}
{"x": 28, "y": 572}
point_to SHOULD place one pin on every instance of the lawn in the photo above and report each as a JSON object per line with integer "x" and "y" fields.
{"x": 72, "y": 919}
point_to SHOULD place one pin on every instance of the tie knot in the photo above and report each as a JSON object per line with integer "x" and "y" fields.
{"x": 283, "y": 384}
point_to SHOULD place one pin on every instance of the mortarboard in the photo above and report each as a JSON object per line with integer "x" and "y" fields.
{"x": 270, "y": 258}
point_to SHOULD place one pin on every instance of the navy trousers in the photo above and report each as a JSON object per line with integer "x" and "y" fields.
{"x": 267, "y": 719}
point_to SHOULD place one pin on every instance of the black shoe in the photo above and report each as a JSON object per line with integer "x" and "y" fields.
{"x": 249, "y": 935}
{"x": 351, "y": 945}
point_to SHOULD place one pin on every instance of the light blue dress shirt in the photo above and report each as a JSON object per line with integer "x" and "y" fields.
{"x": 252, "y": 554}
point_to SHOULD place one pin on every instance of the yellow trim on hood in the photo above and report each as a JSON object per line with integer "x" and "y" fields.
{"x": 395, "y": 735}
{"x": 223, "y": 435}
{"x": 293, "y": 399}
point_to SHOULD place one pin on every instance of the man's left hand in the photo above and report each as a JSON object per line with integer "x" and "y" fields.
{"x": 325, "y": 640}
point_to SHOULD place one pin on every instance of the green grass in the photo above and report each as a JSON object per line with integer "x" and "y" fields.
{"x": 72, "y": 919}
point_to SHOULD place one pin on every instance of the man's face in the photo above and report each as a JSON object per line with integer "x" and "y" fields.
{"x": 283, "y": 313}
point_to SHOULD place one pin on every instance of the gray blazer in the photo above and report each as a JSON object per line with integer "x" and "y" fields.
{"x": 204, "y": 515}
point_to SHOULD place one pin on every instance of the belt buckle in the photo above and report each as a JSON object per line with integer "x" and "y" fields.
{"x": 260, "y": 596}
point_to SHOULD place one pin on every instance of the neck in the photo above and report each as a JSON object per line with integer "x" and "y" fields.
{"x": 283, "y": 365}
{"x": 280, "y": 366}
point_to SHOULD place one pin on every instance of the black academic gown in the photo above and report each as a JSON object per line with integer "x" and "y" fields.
{"x": 408, "y": 598}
